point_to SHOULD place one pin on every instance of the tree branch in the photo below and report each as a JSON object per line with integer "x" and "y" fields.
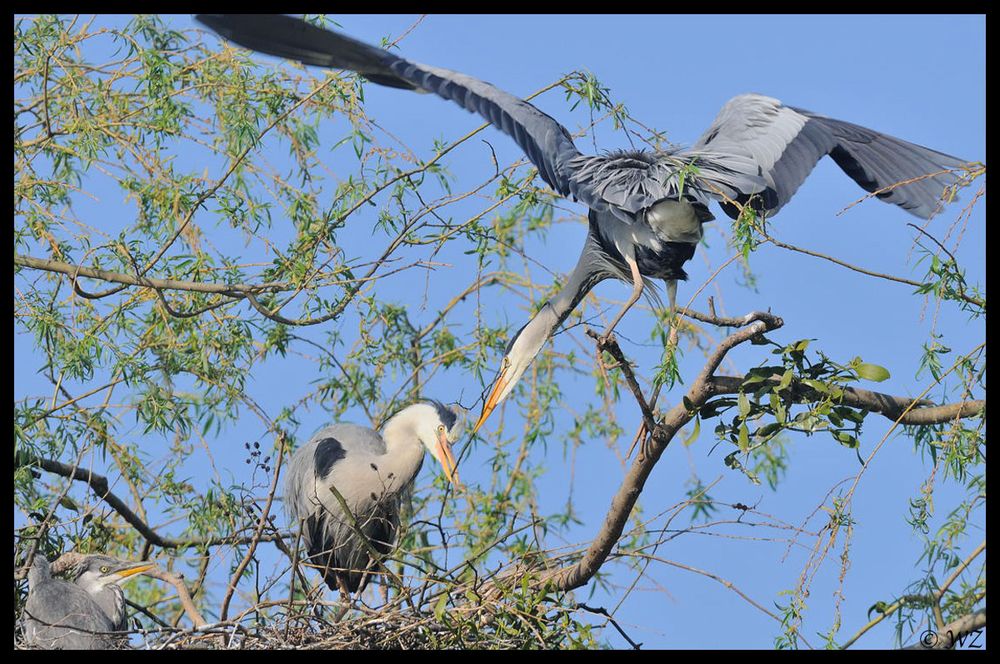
{"x": 961, "y": 627}
{"x": 610, "y": 345}
{"x": 576, "y": 575}
{"x": 177, "y": 581}
{"x": 882, "y": 615}
{"x": 888, "y": 277}
{"x": 705, "y": 386}
{"x": 229, "y": 290}
{"x": 958, "y": 571}
{"x": 720, "y": 321}
{"x": 951, "y": 634}
{"x": 892, "y": 407}
{"x": 99, "y": 485}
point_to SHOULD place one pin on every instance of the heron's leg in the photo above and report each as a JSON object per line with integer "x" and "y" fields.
{"x": 639, "y": 435}
{"x": 636, "y": 294}
{"x": 644, "y": 434}
{"x": 345, "y": 598}
{"x": 672, "y": 295}
{"x": 344, "y": 592}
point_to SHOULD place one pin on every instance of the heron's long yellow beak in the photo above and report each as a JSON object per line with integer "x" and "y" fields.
{"x": 492, "y": 400}
{"x": 132, "y": 571}
{"x": 447, "y": 460}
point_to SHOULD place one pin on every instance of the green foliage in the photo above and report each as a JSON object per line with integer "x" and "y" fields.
{"x": 168, "y": 125}
{"x": 800, "y": 394}
{"x": 139, "y": 150}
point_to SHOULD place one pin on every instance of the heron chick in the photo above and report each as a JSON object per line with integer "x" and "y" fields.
{"x": 82, "y": 615}
{"x": 101, "y": 577}
{"x": 370, "y": 472}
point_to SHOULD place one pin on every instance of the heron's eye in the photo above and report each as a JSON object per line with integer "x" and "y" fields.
{"x": 441, "y": 428}
{"x": 505, "y": 363}
{"x": 105, "y": 569}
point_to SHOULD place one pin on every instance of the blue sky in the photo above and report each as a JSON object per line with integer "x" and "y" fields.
{"x": 920, "y": 78}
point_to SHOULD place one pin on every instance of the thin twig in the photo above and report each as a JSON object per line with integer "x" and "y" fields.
{"x": 261, "y": 523}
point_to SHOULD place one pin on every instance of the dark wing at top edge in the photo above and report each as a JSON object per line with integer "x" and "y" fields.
{"x": 546, "y": 143}
{"x": 786, "y": 143}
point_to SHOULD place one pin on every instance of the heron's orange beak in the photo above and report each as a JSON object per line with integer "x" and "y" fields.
{"x": 492, "y": 400}
{"x": 132, "y": 571}
{"x": 447, "y": 459}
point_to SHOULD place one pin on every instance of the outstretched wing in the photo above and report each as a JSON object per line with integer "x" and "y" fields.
{"x": 546, "y": 142}
{"x": 785, "y": 143}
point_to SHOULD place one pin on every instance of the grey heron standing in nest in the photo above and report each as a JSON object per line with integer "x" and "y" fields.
{"x": 646, "y": 208}
{"x": 79, "y": 615}
{"x": 369, "y": 472}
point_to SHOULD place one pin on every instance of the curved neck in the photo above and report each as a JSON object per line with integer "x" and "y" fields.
{"x": 404, "y": 453}
{"x": 580, "y": 281}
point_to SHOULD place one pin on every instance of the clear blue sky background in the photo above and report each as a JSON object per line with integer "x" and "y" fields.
{"x": 921, "y": 78}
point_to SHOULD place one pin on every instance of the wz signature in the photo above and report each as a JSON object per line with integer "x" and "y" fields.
{"x": 968, "y": 639}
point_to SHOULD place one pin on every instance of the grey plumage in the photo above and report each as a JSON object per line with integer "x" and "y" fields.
{"x": 370, "y": 471}
{"x": 787, "y": 142}
{"x": 757, "y": 151}
{"x": 90, "y": 575}
{"x": 81, "y": 614}
{"x": 756, "y": 145}
{"x": 61, "y": 615}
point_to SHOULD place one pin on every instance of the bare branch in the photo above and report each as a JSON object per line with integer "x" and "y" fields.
{"x": 183, "y": 595}
{"x": 713, "y": 319}
{"x": 610, "y": 345}
{"x": 855, "y": 268}
{"x": 715, "y": 577}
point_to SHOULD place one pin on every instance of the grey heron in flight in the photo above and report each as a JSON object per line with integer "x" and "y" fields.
{"x": 80, "y": 615}
{"x": 370, "y": 472}
{"x": 646, "y": 208}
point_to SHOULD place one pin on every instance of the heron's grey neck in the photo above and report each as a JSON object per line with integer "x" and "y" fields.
{"x": 581, "y": 280}
{"x": 403, "y": 450}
